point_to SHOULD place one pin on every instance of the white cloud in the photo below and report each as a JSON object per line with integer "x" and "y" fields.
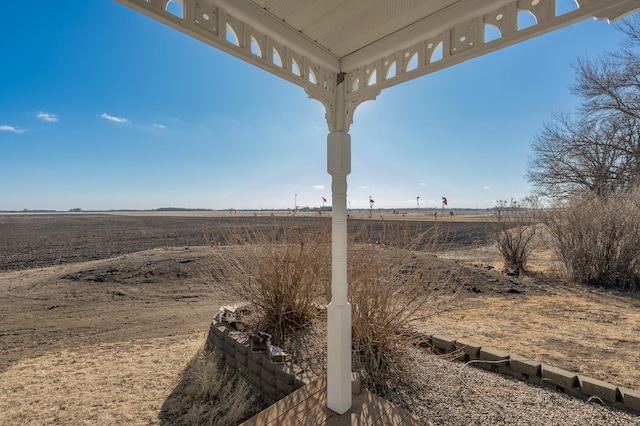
{"x": 49, "y": 118}
{"x": 5, "y": 128}
{"x": 486, "y": 187}
{"x": 423, "y": 184}
{"x": 159, "y": 126}
{"x": 318, "y": 187}
{"x": 114, "y": 119}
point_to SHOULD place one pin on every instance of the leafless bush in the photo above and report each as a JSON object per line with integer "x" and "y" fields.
{"x": 515, "y": 225}
{"x": 597, "y": 238}
{"x": 390, "y": 289}
{"x": 278, "y": 271}
{"x": 286, "y": 274}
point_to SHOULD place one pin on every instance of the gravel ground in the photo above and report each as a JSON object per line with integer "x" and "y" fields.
{"x": 452, "y": 393}
{"x": 447, "y": 392}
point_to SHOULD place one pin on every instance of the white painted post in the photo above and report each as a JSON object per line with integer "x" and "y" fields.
{"x": 339, "y": 310}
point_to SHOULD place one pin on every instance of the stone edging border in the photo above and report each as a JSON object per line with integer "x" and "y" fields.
{"x": 274, "y": 381}
{"x": 537, "y": 373}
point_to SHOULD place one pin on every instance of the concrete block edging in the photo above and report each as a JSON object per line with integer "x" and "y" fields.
{"x": 274, "y": 380}
{"x": 537, "y": 373}
{"x": 271, "y": 380}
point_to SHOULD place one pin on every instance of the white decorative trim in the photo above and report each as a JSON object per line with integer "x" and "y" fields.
{"x": 425, "y": 47}
{"x": 339, "y": 108}
{"x": 452, "y": 35}
{"x": 294, "y": 58}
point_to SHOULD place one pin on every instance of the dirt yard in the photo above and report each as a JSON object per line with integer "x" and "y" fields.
{"x": 95, "y": 299}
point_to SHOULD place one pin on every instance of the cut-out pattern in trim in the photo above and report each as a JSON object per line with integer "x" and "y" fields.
{"x": 526, "y": 19}
{"x": 565, "y": 6}
{"x": 464, "y": 40}
{"x": 175, "y": 8}
{"x": 221, "y": 29}
{"x": 491, "y": 32}
{"x": 514, "y": 22}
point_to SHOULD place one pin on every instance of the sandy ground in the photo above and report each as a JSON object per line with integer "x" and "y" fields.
{"x": 99, "y": 333}
{"x": 590, "y": 331}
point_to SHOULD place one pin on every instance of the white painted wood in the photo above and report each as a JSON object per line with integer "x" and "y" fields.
{"x": 339, "y": 310}
{"x": 247, "y": 12}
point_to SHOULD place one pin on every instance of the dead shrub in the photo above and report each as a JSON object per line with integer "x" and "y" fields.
{"x": 390, "y": 290}
{"x": 514, "y": 226}
{"x": 285, "y": 275}
{"x": 209, "y": 396}
{"x": 597, "y": 238}
{"x": 278, "y": 270}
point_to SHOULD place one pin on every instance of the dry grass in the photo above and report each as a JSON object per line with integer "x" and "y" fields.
{"x": 106, "y": 384}
{"x": 543, "y": 327}
{"x": 206, "y": 395}
{"x": 163, "y": 381}
{"x": 134, "y": 382}
{"x": 590, "y": 331}
{"x": 391, "y": 290}
{"x": 280, "y": 272}
{"x": 284, "y": 274}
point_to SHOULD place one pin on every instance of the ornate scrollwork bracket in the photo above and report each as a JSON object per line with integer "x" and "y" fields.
{"x": 340, "y": 105}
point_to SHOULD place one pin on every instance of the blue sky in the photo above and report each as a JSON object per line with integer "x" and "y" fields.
{"x": 103, "y": 108}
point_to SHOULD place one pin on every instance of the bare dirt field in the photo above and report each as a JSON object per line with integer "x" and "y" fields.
{"x": 99, "y": 313}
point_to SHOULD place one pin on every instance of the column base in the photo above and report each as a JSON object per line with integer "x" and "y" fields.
{"x": 339, "y": 357}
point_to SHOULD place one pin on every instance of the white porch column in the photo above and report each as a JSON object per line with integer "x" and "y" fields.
{"x": 339, "y": 310}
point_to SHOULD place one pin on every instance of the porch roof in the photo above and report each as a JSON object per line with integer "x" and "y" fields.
{"x": 372, "y": 44}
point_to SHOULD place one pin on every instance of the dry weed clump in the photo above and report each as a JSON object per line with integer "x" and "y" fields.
{"x": 514, "y": 226}
{"x": 284, "y": 273}
{"x": 390, "y": 290}
{"x": 597, "y": 238}
{"x": 209, "y": 396}
{"x": 278, "y": 269}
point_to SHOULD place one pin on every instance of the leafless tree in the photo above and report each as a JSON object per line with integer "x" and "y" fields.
{"x": 610, "y": 83}
{"x": 597, "y": 148}
{"x": 580, "y": 153}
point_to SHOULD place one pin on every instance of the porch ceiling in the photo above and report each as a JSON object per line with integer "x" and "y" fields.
{"x": 344, "y": 27}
